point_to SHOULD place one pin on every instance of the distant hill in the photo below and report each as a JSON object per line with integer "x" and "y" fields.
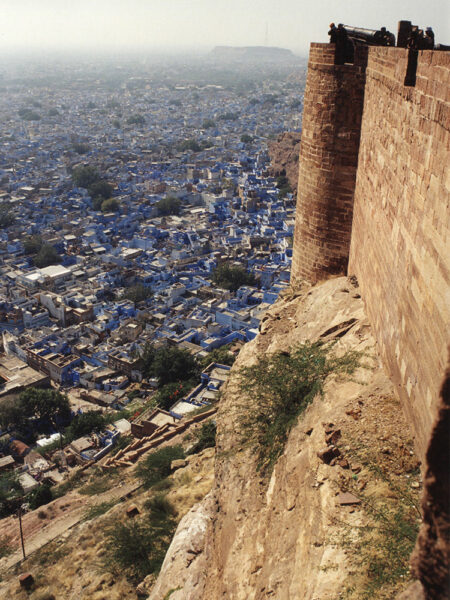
{"x": 252, "y": 53}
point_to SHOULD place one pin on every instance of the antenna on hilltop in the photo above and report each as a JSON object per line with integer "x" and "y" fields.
{"x": 266, "y": 36}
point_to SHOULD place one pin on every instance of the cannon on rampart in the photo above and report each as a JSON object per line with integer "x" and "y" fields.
{"x": 370, "y": 37}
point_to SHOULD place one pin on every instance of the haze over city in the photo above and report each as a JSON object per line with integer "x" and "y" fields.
{"x": 198, "y": 25}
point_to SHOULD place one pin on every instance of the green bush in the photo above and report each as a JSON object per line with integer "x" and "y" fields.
{"x": 40, "y": 496}
{"x": 84, "y": 176}
{"x": 222, "y": 355}
{"x": 138, "y": 548}
{"x": 46, "y": 256}
{"x": 280, "y": 387}
{"x": 162, "y": 510}
{"x": 232, "y": 277}
{"x": 81, "y": 147}
{"x": 246, "y": 139}
{"x": 172, "y": 364}
{"x": 156, "y": 466}
{"x": 380, "y": 550}
{"x": 6, "y": 215}
{"x": 205, "y": 437}
{"x": 110, "y": 205}
{"x": 136, "y": 120}
{"x": 171, "y": 392}
{"x": 6, "y": 547}
{"x": 169, "y": 206}
{"x": 192, "y": 145}
{"x": 137, "y": 293}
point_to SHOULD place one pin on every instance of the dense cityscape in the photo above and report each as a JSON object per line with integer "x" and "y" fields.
{"x": 139, "y": 215}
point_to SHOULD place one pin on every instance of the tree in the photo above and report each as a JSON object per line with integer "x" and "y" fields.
{"x": 232, "y": 277}
{"x": 50, "y": 407}
{"x": 136, "y": 120}
{"x": 283, "y": 185}
{"x": 137, "y": 293}
{"x": 12, "y": 414}
{"x": 191, "y": 144}
{"x": 28, "y": 115}
{"x": 100, "y": 191}
{"x": 229, "y": 116}
{"x": 85, "y": 424}
{"x": 147, "y": 357}
{"x": 53, "y": 112}
{"x": 45, "y": 405}
{"x": 40, "y": 496}
{"x": 32, "y": 244}
{"x": 171, "y": 392}
{"x": 81, "y": 147}
{"x": 156, "y": 466}
{"x": 172, "y": 364}
{"x": 168, "y": 206}
{"x": 246, "y": 139}
{"x": 208, "y": 123}
{"x": 6, "y": 215}
{"x": 10, "y": 494}
{"x": 85, "y": 175}
{"x": 222, "y": 355}
{"x": 206, "y": 438}
{"x": 110, "y": 205}
{"x": 46, "y": 256}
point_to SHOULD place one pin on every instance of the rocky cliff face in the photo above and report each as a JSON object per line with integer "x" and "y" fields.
{"x": 284, "y": 153}
{"x": 281, "y": 538}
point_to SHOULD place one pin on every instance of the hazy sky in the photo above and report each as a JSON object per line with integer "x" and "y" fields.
{"x": 182, "y": 24}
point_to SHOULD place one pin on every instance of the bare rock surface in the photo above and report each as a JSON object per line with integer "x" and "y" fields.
{"x": 284, "y": 156}
{"x": 185, "y": 561}
{"x": 275, "y": 539}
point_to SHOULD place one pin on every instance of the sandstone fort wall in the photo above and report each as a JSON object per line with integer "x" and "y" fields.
{"x": 400, "y": 248}
{"x": 375, "y": 191}
{"x": 331, "y": 128}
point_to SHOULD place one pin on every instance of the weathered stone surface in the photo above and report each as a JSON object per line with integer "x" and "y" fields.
{"x": 284, "y": 153}
{"x": 401, "y": 230}
{"x": 431, "y": 558}
{"x": 185, "y": 563}
{"x": 132, "y": 511}
{"x": 179, "y": 463}
{"x": 414, "y": 592}
{"x": 327, "y": 454}
{"x": 274, "y": 540}
{"x": 348, "y": 499}
{"x": 333, "y": 105}
{"x": 26, "y": 580}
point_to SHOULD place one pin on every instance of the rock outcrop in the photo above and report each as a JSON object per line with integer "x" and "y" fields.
{"x": 283, "y": 154}
{"x": 277, "y": 538}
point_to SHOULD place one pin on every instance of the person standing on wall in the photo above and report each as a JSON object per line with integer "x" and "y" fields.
{"x": 333, "y": 33}
{"x": 341, "y": 45}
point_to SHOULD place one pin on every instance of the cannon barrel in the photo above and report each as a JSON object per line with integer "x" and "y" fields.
{"x": 371, "y": 37}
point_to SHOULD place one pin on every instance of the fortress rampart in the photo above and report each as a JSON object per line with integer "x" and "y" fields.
{"x": 331, "y": 129}
{"x": 373, "y": 201}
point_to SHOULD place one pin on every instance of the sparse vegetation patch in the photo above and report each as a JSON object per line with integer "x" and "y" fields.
{"x": 379, "y": 551}
{"x": 280, "y": 386}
